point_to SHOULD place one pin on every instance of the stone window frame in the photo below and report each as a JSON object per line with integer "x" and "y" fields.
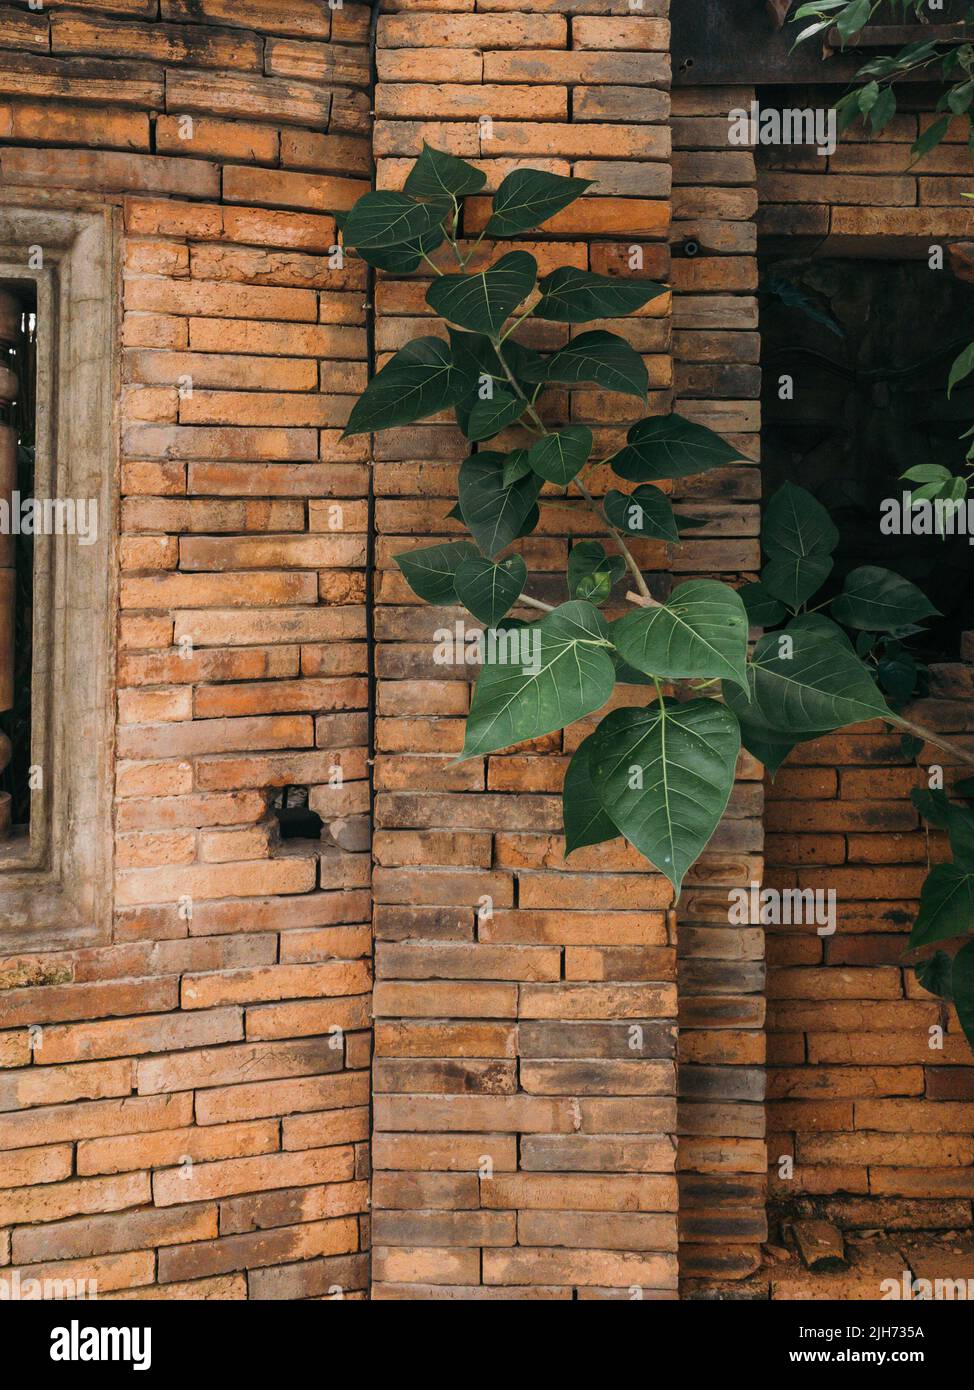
{"x": 56, "y": 885}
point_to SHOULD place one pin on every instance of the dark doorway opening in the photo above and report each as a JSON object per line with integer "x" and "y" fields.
{"x": 868, "y": 346}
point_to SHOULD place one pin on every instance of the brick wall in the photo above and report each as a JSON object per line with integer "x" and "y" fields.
{"x": 203, "y": 1027}
{"x": 522, "y": 1148}
{"x": 878, "y": 1123}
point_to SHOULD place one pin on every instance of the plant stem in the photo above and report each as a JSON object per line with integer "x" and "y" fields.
{"x": 535, "y": 603}
{"x": 624, "y": 550}
{"x": 929, "y": 736}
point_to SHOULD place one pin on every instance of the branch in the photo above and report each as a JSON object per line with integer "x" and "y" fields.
{"x": 929, "y": 736}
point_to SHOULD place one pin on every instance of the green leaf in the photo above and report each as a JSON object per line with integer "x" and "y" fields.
{"x": 962, "y": 988}
{"x": 586, "y": 821}
{"x": 962, "y": 367}
{"x": 592, "y": 573}
{"x": 796, "y": 524}
{"x": 568, "y": 675}
{"x": 485, "y": 301}
{"x": 646, "y": 511}
{"x": 933, "y": 805}
{"x": 960, "y": 828}
{"x": 569, "y": 295}
{"x": 927, "y": 473}
{"x": 934, "y": 974}
{"x": 528, "y": 197}
{"x": 664, "y": 774}
{"x": 853, "y": 18}
{"x": 494, "y": 513}
{"x": 668, "y": 446}
{"x": 763, "y": 609}
{"x": 430, "y": 573}
{"x": 911, "y": 747}
{"x": 929, "y": 140}
{"x": 821, "y": 686}
{"x": 516, "y": 467}
{"x": 404, "y": 259}
{"x": 794, "y": 580}
{"x": 489, "y": 591}
{"x": 884, "y": 109}
{"x": 825, "y": 627}
{"x": 946, "y": 906}
{"x": 389, "y": 219}
{"x": 701, "y": 631}
{"x": 489, "y": 417}
{"x": 437, "y": 174}
{"x": 421, "y": 379}
{"x": 799, "y": 536}
{"x": 877, "y": 600}
{"x": 600, "y": 357}
{"x": 559, "y": 457}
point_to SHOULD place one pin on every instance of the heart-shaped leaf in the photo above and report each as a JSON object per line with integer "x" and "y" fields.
{"x": 934, "y": 974}
{"x": 421, "y": 379}
{"x": 489, "y": 417}
{"x": 488, "y": 590}
{"x": 437, "y": 174}
{"x": 670, "y": 447}
{"x": 483, "y": 302}
{"x": 646, "y": 511}
{"x": 962, "y": 988}
{"x": 494, "y": 513}
{"x": 796, "y": 525}
{"x": 946, "y": 906}
{"x": 389, "y": 219}
{"x": 599, "y": 357}
{"x": 559, "y": 457}
{"x": 557, "y": 671}
{"x": 431, "y": 572}
{"x": 569, "y": 295}
{"x": 592, "y": 573}
{"x": 878, "y": 600}
{"x": 821, "y": 685}
{"x": 404, "y": 259}
{"x": 528, "y": 197}
{"x": 585, "y": 819}
{"x": 664, "y": 775}
{"x": 793, "y": 579}
{"x": 763, "y": 609}
{"x": 701, "y": 631}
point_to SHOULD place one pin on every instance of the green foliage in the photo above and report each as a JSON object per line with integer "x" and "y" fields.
{"x": 658, "y": 770}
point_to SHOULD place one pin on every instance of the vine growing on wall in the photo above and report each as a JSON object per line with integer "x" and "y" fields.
{"x": 658, "y": 770}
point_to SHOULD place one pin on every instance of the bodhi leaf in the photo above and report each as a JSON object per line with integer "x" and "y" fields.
{"x": 421, "y": 379}
{"x": 946, "y": 906}
{"x": 933, "y": 805}
{"x": 795, "y": 578}
{"x": 962, "y": 988}
{"x": 763, "y": 609}
{"x": 585, "y": 819}
{"x": 494, "y": 513}
{"x": 430, "y": 573}
{"x": 569, "y": 295}
{"x": 701, "y": 631}
{"x": 558, "y": 670}
{"x": 528, "y": 197}
{"x": 670, "y": 447}
{"x": 820, "y": 686}
{"x": 389, "y": 219}
{"x": 485, "y": 301}
{"x": 600, "y": 357}
{"x": 877, "y": 600}
{"x": 488, "y": 590}
{"x": 437, "y": 174}
{"x": 934, "y": 974}
{"x": 489, "y": 417}
{"x": 404, "y": 259}
{"x": 819, "y": 624}
{"x": 592, "y": 573}
{"x": 646, "y": 511}
{"x": 799, "y": 537}
{"x": 664, "y": 775}
{"x": 559, "y": 457}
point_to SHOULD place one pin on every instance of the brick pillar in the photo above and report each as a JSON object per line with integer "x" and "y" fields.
{"x": 522, "y": 1147}
{"x": 9, "y": 333}
{"x": 716, "y": 350}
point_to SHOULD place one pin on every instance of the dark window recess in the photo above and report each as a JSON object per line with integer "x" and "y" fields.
{"x": 294, "y": 816}
{"x": 17, "y": 417}
{"x": 869, "y": 345}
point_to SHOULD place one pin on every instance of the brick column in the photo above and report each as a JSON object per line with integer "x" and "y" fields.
{"x": 522, "y": 1147}
{"x": 716, "y": 350}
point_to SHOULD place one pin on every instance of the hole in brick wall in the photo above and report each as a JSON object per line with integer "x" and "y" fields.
{"x": 869, "y": 345}
{"x": 294, "y": 816}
